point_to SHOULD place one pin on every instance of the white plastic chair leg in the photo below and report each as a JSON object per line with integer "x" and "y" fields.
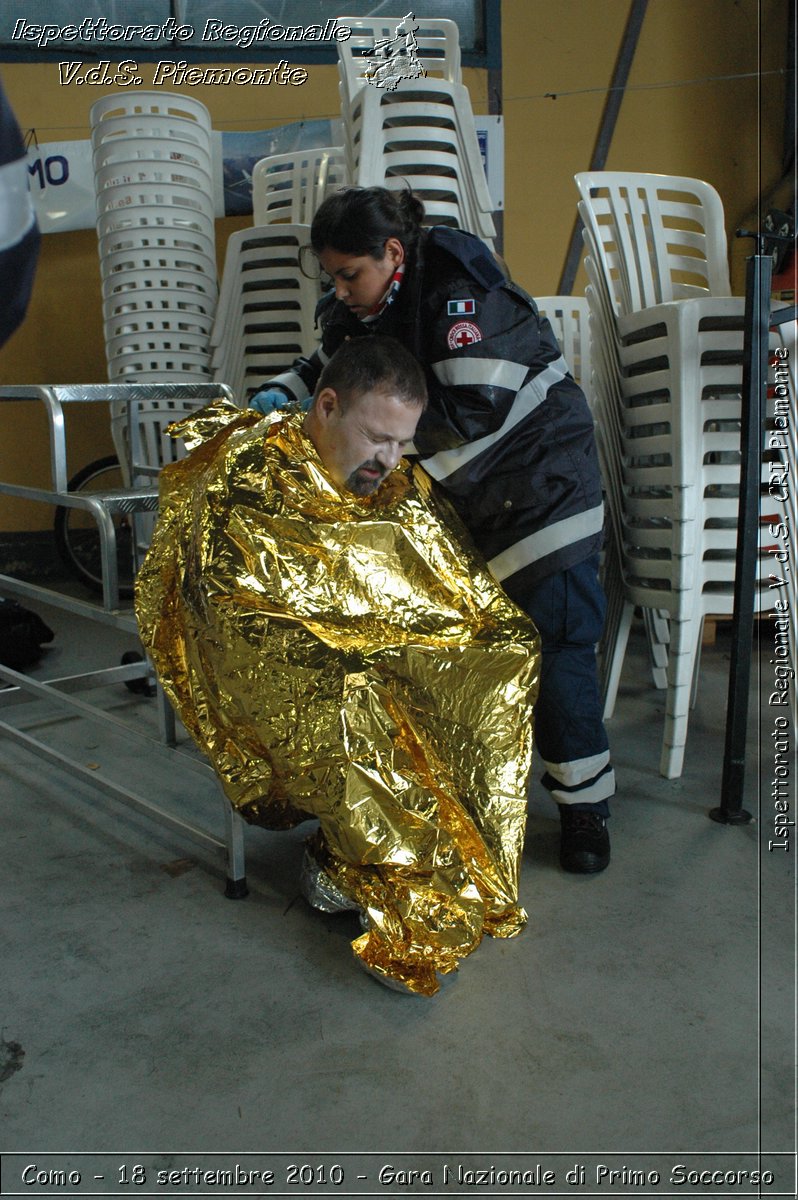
{"x": 697, "y": 664}
{"x": 613, "y": 653}
{"x": 681, "y": 661}
{"x": 658, "y": 637}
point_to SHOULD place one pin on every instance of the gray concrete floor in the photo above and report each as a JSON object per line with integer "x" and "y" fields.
{"x": 645, "y": 1010}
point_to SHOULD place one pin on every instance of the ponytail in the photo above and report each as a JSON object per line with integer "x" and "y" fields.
{"x": 360, "y": 221}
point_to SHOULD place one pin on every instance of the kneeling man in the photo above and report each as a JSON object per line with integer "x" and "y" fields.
{"x": 338, "y": 649}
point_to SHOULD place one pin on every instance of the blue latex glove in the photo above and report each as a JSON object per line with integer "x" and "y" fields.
{"x": 269, "y": 400}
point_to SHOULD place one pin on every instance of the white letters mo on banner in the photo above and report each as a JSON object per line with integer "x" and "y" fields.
{"x": 61, "y": 179}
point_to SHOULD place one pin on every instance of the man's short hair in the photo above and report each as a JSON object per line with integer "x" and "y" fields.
{"x": 374, "y": 364}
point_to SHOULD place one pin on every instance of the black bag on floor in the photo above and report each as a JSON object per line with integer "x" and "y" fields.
{"x": 22, "y": 633}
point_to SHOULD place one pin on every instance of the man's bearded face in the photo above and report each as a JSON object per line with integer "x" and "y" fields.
{"x": 362, "y": 444}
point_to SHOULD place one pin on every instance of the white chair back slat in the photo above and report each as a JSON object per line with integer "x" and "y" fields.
{"x": 665, "y": 234}
{"x": 290, "y": 187}
{"x": 266, "y": 313}
{"x": 434, "y": 42}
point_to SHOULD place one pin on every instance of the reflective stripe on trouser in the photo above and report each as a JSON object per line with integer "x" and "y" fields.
{"x": 568, "y": 609}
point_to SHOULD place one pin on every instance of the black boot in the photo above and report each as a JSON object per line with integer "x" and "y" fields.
{"x": 584, "y": 841}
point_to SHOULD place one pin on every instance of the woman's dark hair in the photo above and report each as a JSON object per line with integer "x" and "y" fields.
{"x": 360, "y": 221}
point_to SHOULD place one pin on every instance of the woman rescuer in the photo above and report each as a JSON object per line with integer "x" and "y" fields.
{"x": 508, "y": 434}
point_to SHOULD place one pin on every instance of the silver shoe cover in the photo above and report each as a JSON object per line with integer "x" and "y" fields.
{"x": 320, "y": 891}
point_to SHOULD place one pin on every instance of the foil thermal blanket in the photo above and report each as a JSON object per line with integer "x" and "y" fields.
{"x": 350, "y": 660}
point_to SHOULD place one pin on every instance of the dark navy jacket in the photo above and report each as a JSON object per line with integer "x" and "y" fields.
{"x": 19, "y": 233}
{"x": 508, "y": 433}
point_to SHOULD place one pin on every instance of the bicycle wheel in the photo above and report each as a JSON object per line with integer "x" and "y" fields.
{"x": 77, "y": 537}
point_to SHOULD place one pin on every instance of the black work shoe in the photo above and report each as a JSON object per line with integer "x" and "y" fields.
{"x": 584, "y": 841}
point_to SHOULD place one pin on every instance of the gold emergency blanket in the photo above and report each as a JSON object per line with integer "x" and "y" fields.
{"x": 349, "y": 659}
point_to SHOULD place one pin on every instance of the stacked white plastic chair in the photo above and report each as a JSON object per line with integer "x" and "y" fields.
{"x": 569, "y": 318}
{"x": 667, "y": 366}
{"x": 416, "y": 132}
{"x": 155, "y": 224}
{"x": 155, "y": 227}
{"x": 290, "y": 187}
{"x": 437, "y": 50}
{"x": 267, "y": 305}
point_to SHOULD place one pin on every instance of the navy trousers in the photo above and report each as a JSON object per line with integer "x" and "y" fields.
{"x": 568, "y": 609}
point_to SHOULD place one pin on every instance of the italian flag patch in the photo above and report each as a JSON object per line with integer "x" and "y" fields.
{"x": 461, "y": 308}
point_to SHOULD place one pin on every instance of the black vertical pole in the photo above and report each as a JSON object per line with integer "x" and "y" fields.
{"x": 493, "y": 41}
{"x": 755, "y": 374}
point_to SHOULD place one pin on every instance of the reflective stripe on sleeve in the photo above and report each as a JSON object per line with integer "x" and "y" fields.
{"x": 16, "y": 207}
{"x": 562, "y": 533}
{"x": 480, "y": 372}
{"x": 292, "y": 383}
{"x": 441, "y": 465}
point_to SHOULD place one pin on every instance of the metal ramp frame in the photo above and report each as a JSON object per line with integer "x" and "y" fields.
{"x": 64, "y": 693}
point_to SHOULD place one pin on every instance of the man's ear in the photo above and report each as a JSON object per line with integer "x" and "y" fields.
{"x": 326, "y": 403}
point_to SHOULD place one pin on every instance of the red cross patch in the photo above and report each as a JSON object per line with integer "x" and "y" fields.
{"x": 463, "y": 334}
